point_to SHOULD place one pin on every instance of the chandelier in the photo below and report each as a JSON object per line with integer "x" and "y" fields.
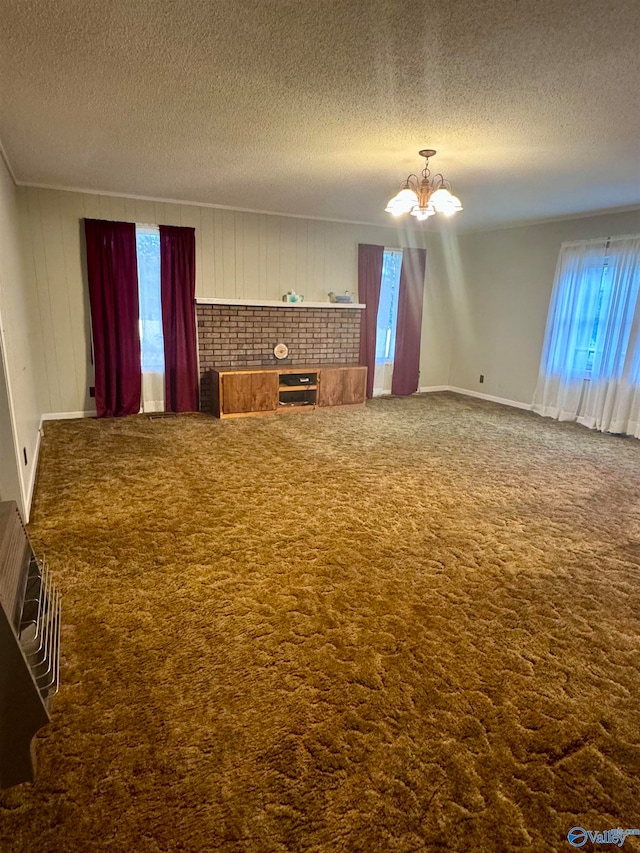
{"x": 423, "y": 198}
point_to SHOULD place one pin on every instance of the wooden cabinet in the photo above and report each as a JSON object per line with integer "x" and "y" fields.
{"x": 248, "y": 391}
{"x": 342, "y": 386}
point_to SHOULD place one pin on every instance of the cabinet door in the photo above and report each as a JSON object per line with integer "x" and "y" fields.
{"x": 330, "y": 389}
{"x": 354, "y": 385}
{"x": 249, "y": 392}
{"x": 264, "y": 392}
{"x": 342, "y": 386}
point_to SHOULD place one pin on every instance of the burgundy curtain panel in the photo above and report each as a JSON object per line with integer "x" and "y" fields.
{"x": 370, "y": 260}
{"x": 112, "y": 269}
{"x": 406, "y": 361}
{"x": 177, "y": 291}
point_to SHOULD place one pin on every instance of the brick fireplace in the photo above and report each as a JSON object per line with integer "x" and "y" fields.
{"x": 236, "y": 335}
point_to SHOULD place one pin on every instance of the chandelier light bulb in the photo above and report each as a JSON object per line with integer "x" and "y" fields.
{"x": 423, "y": 213}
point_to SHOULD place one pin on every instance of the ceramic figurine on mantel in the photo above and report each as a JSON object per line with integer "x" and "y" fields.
{"x": 346, "y": 297}
{"x": 292, "y": 296}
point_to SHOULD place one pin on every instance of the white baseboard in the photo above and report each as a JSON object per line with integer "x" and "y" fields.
{"x": 62, "y": 416}
{"x": 515, "y": 404}
{"x": 428, "y": 389}
{"x": 34, "y": 470}
{"x": 468, "y": 393}
{"x": 48, "y": 416}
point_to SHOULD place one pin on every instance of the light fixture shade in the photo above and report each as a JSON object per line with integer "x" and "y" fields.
{"x": 444, "y": 202}
{"x": 441, "y": 199}
{"x": 402, "y": 202}
{"x": 422, "y": 213}
{"x": 451, "y": 210}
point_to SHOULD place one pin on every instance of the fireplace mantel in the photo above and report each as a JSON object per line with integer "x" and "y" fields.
{"x": 266, "y": 303}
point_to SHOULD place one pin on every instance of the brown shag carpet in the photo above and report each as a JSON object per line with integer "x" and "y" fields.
{"x": 411, "y": 627}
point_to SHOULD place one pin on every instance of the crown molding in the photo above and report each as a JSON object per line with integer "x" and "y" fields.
{"x": 546, "y": 220}
{"x": 160, "y": 200}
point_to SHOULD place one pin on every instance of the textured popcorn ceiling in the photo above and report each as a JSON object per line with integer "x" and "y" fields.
{"x": 318, "y": 107}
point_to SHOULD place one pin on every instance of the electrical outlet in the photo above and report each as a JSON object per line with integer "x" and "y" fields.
{"x": 92, "y": 390}
{"x": 481, "y": 378}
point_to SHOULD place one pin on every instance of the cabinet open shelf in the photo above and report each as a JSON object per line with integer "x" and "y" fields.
{"x": 296, "y": 396}
{"x": 286, "y": 409}
{"x": 296, "y": 387}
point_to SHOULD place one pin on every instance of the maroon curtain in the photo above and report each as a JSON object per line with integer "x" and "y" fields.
{"x": 112, "y": 268}
{"x": 370, "y": 260}
{"x": 178, "y": 290}
{"x": 406, "y": 360}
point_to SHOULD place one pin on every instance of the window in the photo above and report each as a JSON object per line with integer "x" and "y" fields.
{"x": 150, "y": 319}
{"x": 588, "y": 317}
{"x": 142, "y": 279}
{"x": 388, "y": 306}
{"x": 151, "y": 339}
{"x": 590, "y": 366}
{"x": 594, "y": 285}
{"x": 601, "y": 282}
{"x": 386, "y": 321}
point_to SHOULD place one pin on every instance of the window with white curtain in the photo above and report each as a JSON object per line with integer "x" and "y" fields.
{"x": 151, "y": 337}
{"x": 590, "y": 367}
{"x": 387, "y": 320}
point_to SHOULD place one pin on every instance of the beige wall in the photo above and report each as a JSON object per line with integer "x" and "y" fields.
{"x": 501, "y": 285}
{"x": 239, "y": 255}
{"x": 19, "y": 406}
{"x": 437, "y": 319}
{"x": 9, "y": 472}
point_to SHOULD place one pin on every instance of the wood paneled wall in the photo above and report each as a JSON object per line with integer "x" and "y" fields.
{"x": 239, "y": 255}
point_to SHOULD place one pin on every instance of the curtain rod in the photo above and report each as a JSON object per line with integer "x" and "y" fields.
{"x": 608, "y": 240}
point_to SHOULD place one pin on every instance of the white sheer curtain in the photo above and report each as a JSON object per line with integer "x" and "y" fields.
{"x": 151, "y": 337}
{"x": 387, "y": 321}
{"x": 590, "y": 367}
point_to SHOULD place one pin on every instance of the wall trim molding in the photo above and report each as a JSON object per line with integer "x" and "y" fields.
{"x": 34, "y": 472}
{"x": 418, "y": 234}
{"x": 83, "y": 190}
{"x": 547, "y": 220}
{"x": 503, "y": 401}
{"x": 65, "y": 416}
{"x": 47, "y": 416}
{"x": 59, "y": 416}
{"x": 515, "y": 404}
